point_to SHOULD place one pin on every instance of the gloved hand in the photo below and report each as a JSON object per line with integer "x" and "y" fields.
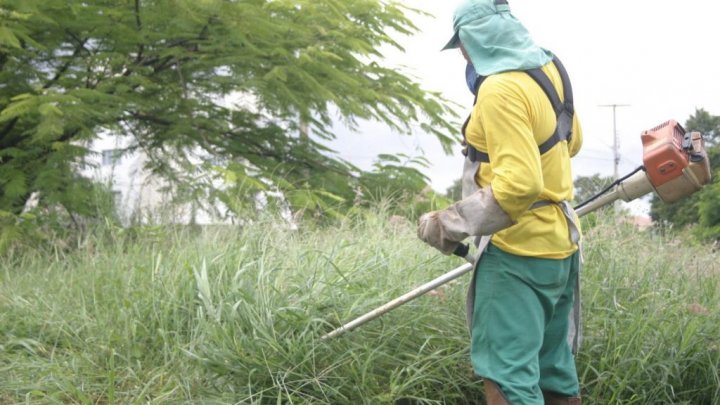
{"x": 477, "y": 215}
{"x": 432, "y": 232}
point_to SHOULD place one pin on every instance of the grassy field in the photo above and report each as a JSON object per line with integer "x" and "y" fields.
{"x": 235, "y": 315}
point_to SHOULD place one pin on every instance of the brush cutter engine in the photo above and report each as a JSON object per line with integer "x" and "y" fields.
{"x": 675, "y": 165}
{"x": 675, "y": 161}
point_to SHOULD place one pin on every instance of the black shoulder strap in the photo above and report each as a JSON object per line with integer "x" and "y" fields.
{"x": 546, "y": 85}
{"x": 564, "y": 110}
{"x": 567, "y": 85}
{"x": 544, "y": 82}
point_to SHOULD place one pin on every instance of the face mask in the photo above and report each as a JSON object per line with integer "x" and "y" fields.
{"x": 470, "y": 77}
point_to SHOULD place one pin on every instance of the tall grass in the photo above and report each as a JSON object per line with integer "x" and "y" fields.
{"x": 652, "y": 319}
{"x": 223, "y": 315}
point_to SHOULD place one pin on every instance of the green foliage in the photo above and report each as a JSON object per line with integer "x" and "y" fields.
{"x": 230, "y": 315}
{"x": 230, "y": 79}
{"x": 18, "y": 227}
{"x": 700, "y": 207}
{"x": 650, "y": 331}
{"x": 398, "y": 180}
{"x": 706, "y": 123}
{"x": 454, "y": 192}
{"x": 56, "y": 227}
{"x": 709, "y": 207}
{"x": 588, "y": 186}
{"x": 395, "y": 172}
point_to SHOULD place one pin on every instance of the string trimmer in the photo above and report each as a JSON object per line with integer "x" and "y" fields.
{"x": 675, "y": 165}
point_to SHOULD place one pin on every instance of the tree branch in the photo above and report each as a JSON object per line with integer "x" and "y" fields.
{"x": 4, "y": 143}
{"x": 81, "y": 43}
{"x": 10, "y": 141}
{"x": 151, "y": 118}
{"x": 178, "y": 66}
{"x": 138, "y": 25}
{"x": 160, "y": 64}
{"x": 67, "y": 64}
{"x": 67, "y": 136}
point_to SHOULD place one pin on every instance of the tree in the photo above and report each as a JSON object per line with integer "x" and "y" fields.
{"x": 398, "y": 179}
{"x": 689, "y": 211}
{"x": 708, "y": 124}
{"x": 588, "y": 186}
{"x": 454, "y": 192}
{"x": 155, "y": 70}
{"x": 709, "y": 206}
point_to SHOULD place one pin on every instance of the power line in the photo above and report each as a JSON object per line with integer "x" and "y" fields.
{"x": 631, "y": 162}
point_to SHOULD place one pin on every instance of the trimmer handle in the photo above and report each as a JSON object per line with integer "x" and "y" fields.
{"x": 462, "y": 250}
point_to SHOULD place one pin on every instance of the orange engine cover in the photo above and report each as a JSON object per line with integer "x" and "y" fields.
{"x": 675, "y": 161}
{"x": 663, "y": 155}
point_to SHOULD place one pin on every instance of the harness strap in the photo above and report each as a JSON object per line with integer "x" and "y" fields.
{"x": 564, "y": 111}
{"x": 546, "y": 85}
{"x": 541, "y": 203}
{"x": 567, "y": 210}
{"x": 567, "y": 85}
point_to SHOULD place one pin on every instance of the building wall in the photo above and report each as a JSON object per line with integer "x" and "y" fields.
{"x": 139, "y": 195}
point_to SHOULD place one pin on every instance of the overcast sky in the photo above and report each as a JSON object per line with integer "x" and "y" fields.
{"x": 661, "y": 57}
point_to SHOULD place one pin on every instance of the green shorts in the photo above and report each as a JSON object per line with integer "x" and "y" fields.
{"x": 520, "y": 324}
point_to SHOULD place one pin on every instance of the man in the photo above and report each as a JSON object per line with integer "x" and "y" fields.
{"x": 520, "y": 135}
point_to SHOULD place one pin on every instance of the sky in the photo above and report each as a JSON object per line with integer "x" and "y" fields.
{"x": 661, "y": 58}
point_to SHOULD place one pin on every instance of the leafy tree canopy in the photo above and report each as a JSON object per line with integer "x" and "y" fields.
{"x": 155, "y": 70}
{"x": 588, "y": 186}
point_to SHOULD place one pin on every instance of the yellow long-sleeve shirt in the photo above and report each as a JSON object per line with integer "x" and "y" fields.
{"x": 510, "y": 119}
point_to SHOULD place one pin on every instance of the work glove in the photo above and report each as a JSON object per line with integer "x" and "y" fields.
{"x": 477, "y": 215}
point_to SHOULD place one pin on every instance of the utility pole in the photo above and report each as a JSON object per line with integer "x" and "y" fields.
{"x": 616, "y": 148}
{"x": 616, "y": 140}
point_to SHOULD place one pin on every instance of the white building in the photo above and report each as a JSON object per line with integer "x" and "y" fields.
{"x": 140, "y": 196}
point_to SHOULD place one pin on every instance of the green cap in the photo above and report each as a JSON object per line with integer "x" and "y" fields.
{"x": 493, "y": 39}
{"x": 473, "y": 10}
